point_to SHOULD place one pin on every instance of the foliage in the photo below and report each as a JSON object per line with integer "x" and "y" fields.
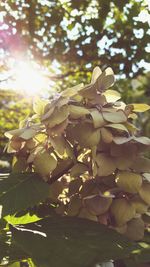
{"x": 137, "y": 91}
{"x": 76, "y": 33}
{"x": 14, "y": 108}
{"x": 86, "y": 149}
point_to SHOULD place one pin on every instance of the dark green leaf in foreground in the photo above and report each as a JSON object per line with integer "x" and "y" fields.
{"x": 21, "y": 191}
{"x": 65, "y": 241}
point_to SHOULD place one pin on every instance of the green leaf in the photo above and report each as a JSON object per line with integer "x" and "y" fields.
{"x": 27, "y": 218}
{"x": 15, "y": 264}
{"x": 21, "y": 191}
{"x": 65, "y": 241}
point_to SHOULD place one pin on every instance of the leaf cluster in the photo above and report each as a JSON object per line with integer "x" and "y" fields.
{"x": 80, "y": 155}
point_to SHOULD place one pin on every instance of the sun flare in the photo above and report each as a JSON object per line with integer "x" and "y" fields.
{"x": 29, "y": 78}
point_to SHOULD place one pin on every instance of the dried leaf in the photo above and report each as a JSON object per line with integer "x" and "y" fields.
{"x": 97, "y": 205}
{"x": 98, "y": 119}
{"x": 77, "y": 112}
{"x": 106, "y": 165}
{"x": 106, "y": 135}
{"x": 70, "y": 92}
{"x": 117, "y": 126}
{"x": 122, "y": 211}
{"x": 129, "y": 181}
{"x": 135, "y": 229}
{"x": 111, "y": 96}
{"x": 96, "y": 73}
{"x": 143, "y": 140}
{"x": 115, "y": 117}
{"x": 74, "y": 206}
{"x": 144, "y": 193}
{"x": 84, "y": 134}
{"x": 141, "y": 164}
{"x": 58, "y": 116}
{"x": 44, "y": 163}
{"x": 78, "y": 169}
{"x": 140, "y": 107}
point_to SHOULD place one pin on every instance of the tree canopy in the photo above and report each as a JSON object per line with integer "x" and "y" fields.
{"x": 78, "y": 34}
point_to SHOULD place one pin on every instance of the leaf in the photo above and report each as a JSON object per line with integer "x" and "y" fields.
{"x": 123, "y": 162}
{"x": 55, "y": 189}
{"x": 74, "y": 205}
{"x": 61, "y": 146}
{"x": 77, "y": 111}
{"x": 97, "y": 204}
{"x": 74, "y": 186}
{"x": 144, "y": 193}
{"x": 58, "y": 116}
{"x": 39, "y": 106}
{"x": 21, "y": 191}
{"x": 96, "y": 73}
{"x": 106, "y": 135}
{"x": 70, "y": 92}
{"x": 141, "y": 164}
{"x": 98, "y": 119}
{"x": 24, "y": 219}
{"x": 135, "y": 229}
{"x": 121, "y": 140}
{"x": 70, "y": 242}
{"x": 122, "y": 211}
{"x": 117, "y": 126}
{"x": 28, "y": 134}
{"x": 24, "y": 133}
{"x": 78, "y": 169}
{"x": 111, "y": 96}
{"x": 15, "y": 264}
{"x": 127, "y": 150}
{"x": 47, "y": 114}
{"x": 129, "y": 181}
{"x": 58, "y": 129}
{"x": 143, "y": 140}
{"x": 146, "y": 176}
{"x": 105, "y": 80}
{"x": 107, "y": 264}
{"x": 115, "y": 117}
{"x": 106, "y": 165}
{"x": 84, "y": 134}
{"x": 44, "y": 163}
{"x": 16, "y": 132}
{"x": 140, "y": 107}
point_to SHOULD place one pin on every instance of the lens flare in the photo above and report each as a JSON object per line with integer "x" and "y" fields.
{"x": 29, "y": 78}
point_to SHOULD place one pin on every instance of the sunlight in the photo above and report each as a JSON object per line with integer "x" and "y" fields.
{"x": 29, "y": 78}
